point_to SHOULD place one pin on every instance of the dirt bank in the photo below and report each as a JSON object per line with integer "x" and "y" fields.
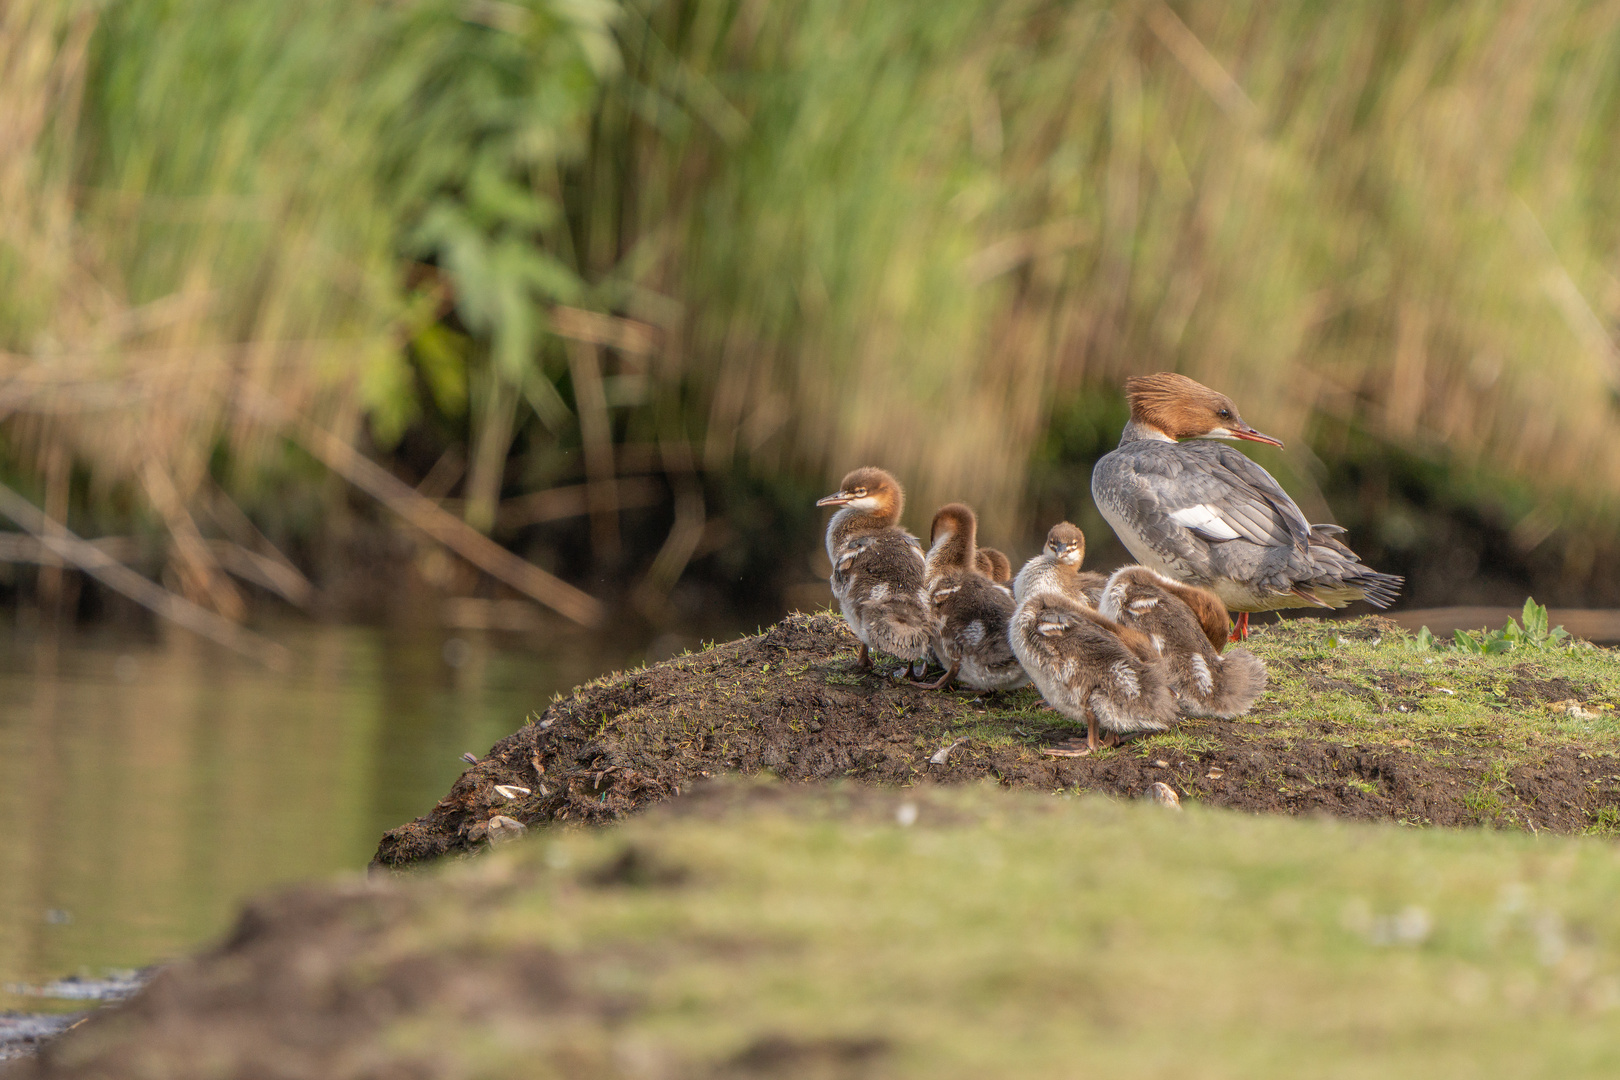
{"x": 1356, "y": 724}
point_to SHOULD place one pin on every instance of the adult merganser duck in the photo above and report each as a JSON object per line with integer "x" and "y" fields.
{"x": 1204, "y": 514}
{"x": 993, "y": 565}
{"x": 1058, "y": 566}
{"x": 970, "y": 611}
{"x": 877, "y": 567}
{"x": 1084, "y": 669}
{"x": 1205, "y": 683}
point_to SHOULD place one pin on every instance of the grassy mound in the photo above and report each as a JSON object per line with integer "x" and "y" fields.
{"x": 1358, "y": 722}
{"x": 763, "y": 929}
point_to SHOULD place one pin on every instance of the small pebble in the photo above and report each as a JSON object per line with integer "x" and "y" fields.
{"x": 503, "y": 828}
{"x": 510, "y": 791}
{"x": 1215, "y": 774}
{"x": 1163, "y": 794}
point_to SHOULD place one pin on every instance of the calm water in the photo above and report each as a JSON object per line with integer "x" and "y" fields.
{"x": 148, "y": 785}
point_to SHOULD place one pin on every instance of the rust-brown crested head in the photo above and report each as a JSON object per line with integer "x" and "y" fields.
{"x": 871, "y": 490}
{"x": 1067, "y": 544}
{"x": 1184, "y": 409}
{"x": 993, "y": 565}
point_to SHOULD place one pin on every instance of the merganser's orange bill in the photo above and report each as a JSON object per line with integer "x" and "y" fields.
{"x": 1246, "y": 432}
{"x": 839, "y": 498}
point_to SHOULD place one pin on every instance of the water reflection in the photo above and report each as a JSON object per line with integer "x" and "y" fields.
{"x": 148, "y": 785}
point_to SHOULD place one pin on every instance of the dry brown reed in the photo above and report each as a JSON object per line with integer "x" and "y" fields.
{"x": 842, "y": 231}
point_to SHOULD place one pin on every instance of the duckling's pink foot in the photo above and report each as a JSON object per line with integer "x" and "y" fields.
{"x": 1240, "y": 629}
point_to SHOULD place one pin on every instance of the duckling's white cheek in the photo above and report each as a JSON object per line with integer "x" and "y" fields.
{"x": 865, "y": 502}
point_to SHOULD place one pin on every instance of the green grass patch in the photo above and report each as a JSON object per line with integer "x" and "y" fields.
{"x": 1009, "y": 935}
{"x": 1369, "y": 683}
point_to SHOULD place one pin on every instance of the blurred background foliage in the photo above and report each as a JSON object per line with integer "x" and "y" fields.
{"x": 626, "y": 283}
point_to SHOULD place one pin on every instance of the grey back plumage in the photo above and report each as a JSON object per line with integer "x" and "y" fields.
{"x": 1204, "y": 513}
{"x": 1205, "y": 682}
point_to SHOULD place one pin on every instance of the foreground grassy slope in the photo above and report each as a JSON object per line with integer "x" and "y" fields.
{"x": 1356, "y": 723}
{"x": 772, "y": 930}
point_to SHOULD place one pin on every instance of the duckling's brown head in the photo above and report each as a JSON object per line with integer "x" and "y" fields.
{"x": 871, "y": 491}
{"x": 952, "y": 536}
{"x": 1067, "y": 544}
{"x": 993, "y": 565}
{"x": 1180, "y": 408}
{"x": 1213, "y": 618}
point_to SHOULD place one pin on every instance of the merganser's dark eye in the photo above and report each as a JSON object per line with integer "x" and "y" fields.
{"x": 859, "y": 492}
{"x": 1225, "y": 414}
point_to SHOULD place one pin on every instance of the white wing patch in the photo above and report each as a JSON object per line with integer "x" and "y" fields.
{"x": 1142, "y": 607}
{"x": 1113, "y": 599}
{"x": 972, "y": 634}
{"x": 879, "y": 593}
{"x": 1204, "y": 518}
{"x": 1201, "y": 675}
{"x": 1125, "y": 679}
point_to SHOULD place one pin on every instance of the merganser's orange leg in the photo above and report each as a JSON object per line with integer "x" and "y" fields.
{"x": 1240, "y": 630}
{"x": 864, "y": 661}
{"x": 944, "y": 680}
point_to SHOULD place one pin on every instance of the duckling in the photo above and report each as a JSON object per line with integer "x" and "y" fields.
{"x": 993, "y": 565}
{"x": 1058, "y": 566}
{"x": 1083, "y": 667}
{"x": 877, "y": 567}
{"x": 1205, "y": 683}
{"x": 970, "y": 611}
